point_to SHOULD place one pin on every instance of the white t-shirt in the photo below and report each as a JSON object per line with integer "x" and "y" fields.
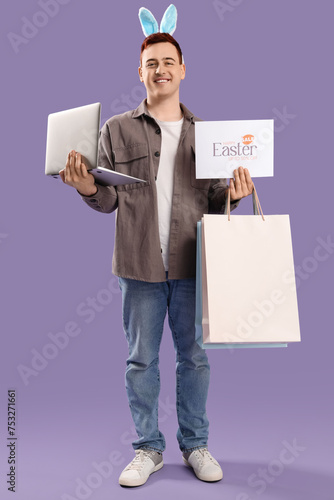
{"x": 170, "y": 137}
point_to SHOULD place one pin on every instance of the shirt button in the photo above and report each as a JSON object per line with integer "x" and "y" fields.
{"x": 157, "y": 154}
{"x": 158, "y": 131}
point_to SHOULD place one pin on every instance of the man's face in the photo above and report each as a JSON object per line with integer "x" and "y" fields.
{"x": 161, "y": 70}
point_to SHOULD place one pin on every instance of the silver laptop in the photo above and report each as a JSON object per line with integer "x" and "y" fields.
{"x": 78, "y": 129}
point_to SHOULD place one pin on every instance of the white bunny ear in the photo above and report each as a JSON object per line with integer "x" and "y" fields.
{"x": 168, "y": 22}
{"x": 148, "y": 22}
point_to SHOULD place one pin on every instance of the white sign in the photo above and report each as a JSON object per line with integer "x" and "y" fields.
{"x": 223, "y": 146}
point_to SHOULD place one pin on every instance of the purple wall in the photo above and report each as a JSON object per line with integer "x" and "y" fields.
{"x": 245, "y": 60}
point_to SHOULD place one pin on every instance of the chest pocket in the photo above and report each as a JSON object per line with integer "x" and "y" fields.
{"x": 133, "y": 160}
{"x": 197, "y": 183}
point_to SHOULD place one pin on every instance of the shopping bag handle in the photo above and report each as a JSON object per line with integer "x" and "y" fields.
{"x": 256, "y": 203}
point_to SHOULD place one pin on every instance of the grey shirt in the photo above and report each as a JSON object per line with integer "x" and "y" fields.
{"x": 130, "y": 143}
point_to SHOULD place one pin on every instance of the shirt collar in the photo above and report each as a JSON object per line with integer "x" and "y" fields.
{"x": 142, "y": 110}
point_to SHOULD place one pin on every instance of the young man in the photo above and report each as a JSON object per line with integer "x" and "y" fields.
{"x": 155, "y": 253}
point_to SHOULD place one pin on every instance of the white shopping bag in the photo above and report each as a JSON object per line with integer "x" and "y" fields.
{"x": 248, "y": 296}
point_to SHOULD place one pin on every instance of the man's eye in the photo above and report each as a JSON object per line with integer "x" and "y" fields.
{"x": 150, "y": 64}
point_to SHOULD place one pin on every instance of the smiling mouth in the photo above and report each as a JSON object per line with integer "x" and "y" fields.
{"x": 161, "y": 80}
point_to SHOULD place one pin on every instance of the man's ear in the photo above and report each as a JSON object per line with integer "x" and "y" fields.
{"x": 183, "y": 73}
{"x": 140, "y": 72}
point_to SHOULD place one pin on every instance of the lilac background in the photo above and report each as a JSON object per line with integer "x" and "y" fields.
{"x": 55, "y": 253}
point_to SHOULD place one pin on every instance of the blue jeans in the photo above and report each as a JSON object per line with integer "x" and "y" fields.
{"x": 144, "y": 307}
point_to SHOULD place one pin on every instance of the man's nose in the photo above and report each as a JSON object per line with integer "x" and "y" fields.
{"x": 159, "y": 70}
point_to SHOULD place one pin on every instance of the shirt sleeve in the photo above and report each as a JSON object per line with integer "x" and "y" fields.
{"x": 217, "y": 194}
{"x": 105, "y": 199}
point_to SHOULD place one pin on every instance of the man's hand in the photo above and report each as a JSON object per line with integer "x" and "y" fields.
{"x": 242, "y": 184}
{"x": 75, "y": 174}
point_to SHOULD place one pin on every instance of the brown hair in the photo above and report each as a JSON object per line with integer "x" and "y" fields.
{"x": 158, "y": 38}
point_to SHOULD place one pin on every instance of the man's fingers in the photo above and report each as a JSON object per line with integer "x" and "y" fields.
{"x": 237, "y": 182}
{"x": 243, "y": 181}
{"x": 70, "y": 160}
{"x": 72, "y": 163}
{"x": 233, "y": 191}
{"x": 75, "y": 172}
{"x": 62, "y": 175}
{"x": 69, "y": 169}
{"x": 242, "y": 177}
{"x": 246, "y": 181}
{"x": 249, "y": 181}
{"x": 239, "y": 175}
{"x": 77, "y": 164}
{"x": 84, "y": 172}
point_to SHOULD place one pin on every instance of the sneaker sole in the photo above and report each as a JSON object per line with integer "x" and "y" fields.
{"x": 142, "y": 480}
{"x": 217, "y": 478}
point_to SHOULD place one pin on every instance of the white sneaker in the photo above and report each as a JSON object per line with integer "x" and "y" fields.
{"x": 205, "y": 466}
{"x": 139, "y": 470}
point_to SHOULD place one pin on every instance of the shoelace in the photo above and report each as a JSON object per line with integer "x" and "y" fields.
{"x": 139, "y": 461}
{"x": 204, "y": 453}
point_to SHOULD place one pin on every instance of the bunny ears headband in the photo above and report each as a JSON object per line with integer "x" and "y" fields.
{"x": 149, "y": 23}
